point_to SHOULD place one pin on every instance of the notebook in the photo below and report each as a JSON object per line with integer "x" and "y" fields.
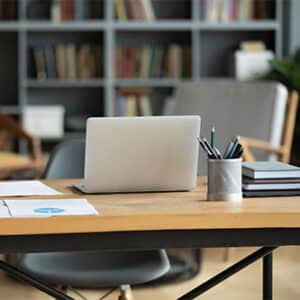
{"x": 271, "y": 193}
{"x": 271, "y": 184}
{"x": 266, "y": 169}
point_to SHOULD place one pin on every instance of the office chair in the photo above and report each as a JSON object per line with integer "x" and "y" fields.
{"x": 90, "y": 269}
{"x": 261, "y": 112}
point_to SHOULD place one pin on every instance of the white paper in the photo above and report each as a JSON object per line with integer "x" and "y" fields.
{"x": 50, "y": 207}
{"x": 4, "y": 212}
{"x": 26, "y": 188}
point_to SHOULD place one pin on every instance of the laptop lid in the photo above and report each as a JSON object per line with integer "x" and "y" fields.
{"x": 134, "y": 154}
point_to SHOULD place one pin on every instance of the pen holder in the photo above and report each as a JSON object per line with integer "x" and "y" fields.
{"x": 225, "y": 179}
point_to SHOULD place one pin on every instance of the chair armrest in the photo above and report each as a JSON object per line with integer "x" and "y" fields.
{"x": 260, "y": 144}
{"x": 249, "y": 143}
{"x": 11, "y": 125}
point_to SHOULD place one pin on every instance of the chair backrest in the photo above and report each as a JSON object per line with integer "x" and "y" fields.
{"x": 67, "y": 160}
{"x": 252, "y": 109}
{"x": 289, "y": 127}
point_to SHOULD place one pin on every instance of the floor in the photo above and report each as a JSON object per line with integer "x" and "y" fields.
{"x": 246, "y": 285}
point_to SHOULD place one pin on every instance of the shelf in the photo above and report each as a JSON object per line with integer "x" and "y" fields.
{"x": 151, "y": 82}
{"x": 64, "y": 26}
{"x": 252, "y": 25}
{"x": 67, "y": 83}
{"x": 10, "y": 110}
{"x": 137, "y": 25}
{"x": 153, "y": 25}
{"x": 9, "y": 25}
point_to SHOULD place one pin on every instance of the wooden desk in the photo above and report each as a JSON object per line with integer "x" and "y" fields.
{"x": 160, "y": 211}
{"x": 161, "y": 220}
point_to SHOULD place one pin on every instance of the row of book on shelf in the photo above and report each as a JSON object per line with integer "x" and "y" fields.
{"x": 69, "y": 10}
{"x": 133, "y": 103}
{"x": 235, "y": 10}
{"x": 134, "y": 10}
{"x": 8, "y": 9}
{"x": 173, "y": 61}
{"x": 67, "y": 61}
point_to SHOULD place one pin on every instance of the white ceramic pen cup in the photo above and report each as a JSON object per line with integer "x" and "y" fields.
{"x": 225, "y": 179}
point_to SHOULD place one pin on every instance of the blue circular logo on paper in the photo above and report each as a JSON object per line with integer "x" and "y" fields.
{"x": 49, "y": 210}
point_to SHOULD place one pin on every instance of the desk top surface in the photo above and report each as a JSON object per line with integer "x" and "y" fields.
{"x": 159, "y": 211}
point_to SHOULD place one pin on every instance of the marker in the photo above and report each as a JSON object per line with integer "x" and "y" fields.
{"x": 212, "y": 138}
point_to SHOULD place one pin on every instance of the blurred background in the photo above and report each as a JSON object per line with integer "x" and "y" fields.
{"x": 62, "y": 61}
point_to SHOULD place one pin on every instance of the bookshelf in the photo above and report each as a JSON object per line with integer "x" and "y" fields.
{"x": 182, "y": 22}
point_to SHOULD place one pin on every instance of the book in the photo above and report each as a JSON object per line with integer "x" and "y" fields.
{"x": 50, "y": 62}
{"x": 131, "y": 107}
{"x": 79, "y": 7}
{"x": 67, "y": 10}
{"x": 61, "y": 61}
{"x": 70, "y": 54}
{"x": 271, "y": 193}
{"x": 145, "y": 105}
{"x": 147, "y": 61}
{"x": 40, "y": 65}
{"x": 148, "y": 9}
{"x": 55, "y": 11}
{"x": 97, "y": 61}
{"x": 250, "y": 184}
{"x": 264, "y": 169}
{"x": 134, "y": 9}
{"x": 120, "y": 105}
{"x": 120, "y": 10}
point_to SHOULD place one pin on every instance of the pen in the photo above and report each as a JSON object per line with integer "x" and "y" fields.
{"x": 240, "y": 153}
{"x": 203, "y": 146}
{"x": 235, "y": 143}
{"x": 228, "y": 149}
{"x": 218, "y": 153}
{"x": 237, "y": 150}
{"x": 209, "y": 147}
{"x": 212, "y": 138}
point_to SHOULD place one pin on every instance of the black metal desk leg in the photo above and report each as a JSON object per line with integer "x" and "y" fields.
{"x": 268, "y": 277}
{"x": 23, "y": 276}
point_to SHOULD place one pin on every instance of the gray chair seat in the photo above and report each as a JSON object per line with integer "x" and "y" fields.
{"x": 96, "y": 269}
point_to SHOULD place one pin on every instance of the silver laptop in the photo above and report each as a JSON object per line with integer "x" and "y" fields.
{"x": 136, "y": 154}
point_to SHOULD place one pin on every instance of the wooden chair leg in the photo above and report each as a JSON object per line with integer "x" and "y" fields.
{"x": 228, "y": 253}
{"x": 125, "y": 293}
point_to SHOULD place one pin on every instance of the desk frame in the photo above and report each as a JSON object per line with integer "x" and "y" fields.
{"x": 267, "y": 238}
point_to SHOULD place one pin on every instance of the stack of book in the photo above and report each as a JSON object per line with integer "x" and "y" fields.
{"x": 264, "y": 179}
{"x": 133, "y": 103}
{"x": 234, "y": 10}
{"x": 67, "y": 61}
{"x": 8, "y": 9}
{"x": 134, "y": 10}
{"x": 173, "y": 61}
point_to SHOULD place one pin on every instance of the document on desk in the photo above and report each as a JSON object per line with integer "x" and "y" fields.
{"x": 50, "y": 207}
{"x": 26, "y": 188}
{"x": 4, "y": 212}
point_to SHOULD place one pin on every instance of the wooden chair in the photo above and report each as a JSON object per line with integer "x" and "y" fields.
{"x": 284, "y": 150}
{"x": 12, "y": 163}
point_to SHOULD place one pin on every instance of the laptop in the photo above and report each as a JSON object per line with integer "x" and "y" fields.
{"x": 141, "y": 154}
